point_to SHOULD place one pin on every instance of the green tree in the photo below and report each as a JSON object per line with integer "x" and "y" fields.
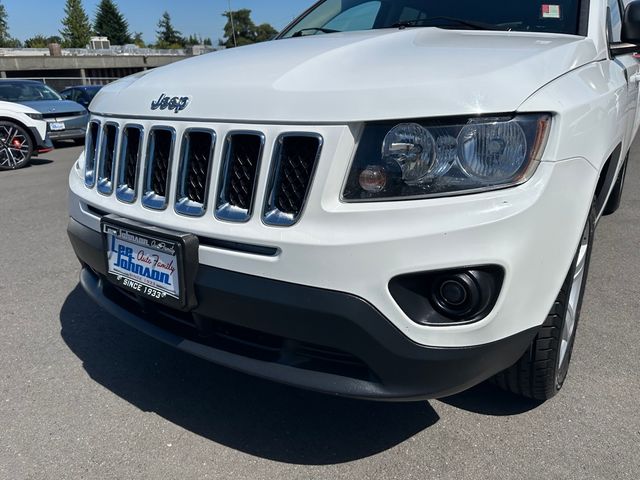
{"x": 76, "y": 32}
{"x": 265, "y": 32}
{"x": 138, "y": 40}
{"x": 37, "y": 41}
{"x": 40, "y": 41}
{"x": 168, "y": 36}
{"x": 109, "y": 22}
{"x": 192, "y": 40}
{"x": 197, "y": 40}
{"x": 242, "y": 31}
{"x": 6, "y": 41}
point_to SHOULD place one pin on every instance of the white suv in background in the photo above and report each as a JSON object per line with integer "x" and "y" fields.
{"x": 23, "y": 135}
{"x": 393, "y": 200}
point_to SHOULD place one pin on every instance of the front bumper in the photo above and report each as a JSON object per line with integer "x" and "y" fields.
{"x": 531, "y": 232}
{"x": 318, "y": 339}
{"x": 75, "y": 128}
{"x": 43, "y": 145}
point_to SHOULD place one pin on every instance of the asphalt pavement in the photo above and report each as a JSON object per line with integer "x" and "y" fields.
{"x": 83, "y": 396}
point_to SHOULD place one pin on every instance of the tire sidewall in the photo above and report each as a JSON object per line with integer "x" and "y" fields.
{"x": 563, "y": 369}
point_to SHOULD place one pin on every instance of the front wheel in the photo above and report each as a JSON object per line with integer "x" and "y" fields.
{"x": 542, "y": 370}
{"x": 16, "y": 146}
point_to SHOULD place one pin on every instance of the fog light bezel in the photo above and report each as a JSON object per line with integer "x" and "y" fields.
{"x": 417, "y": 294}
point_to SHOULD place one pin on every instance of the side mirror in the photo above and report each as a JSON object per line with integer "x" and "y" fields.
{"x": 631, "y": 23}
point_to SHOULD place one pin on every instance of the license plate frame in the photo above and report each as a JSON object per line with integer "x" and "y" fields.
{"x": 154, "y": 242}
{"x": 57, "y": 126}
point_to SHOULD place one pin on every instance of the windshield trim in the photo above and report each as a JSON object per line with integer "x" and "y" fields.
{"x": 584, "y": 9}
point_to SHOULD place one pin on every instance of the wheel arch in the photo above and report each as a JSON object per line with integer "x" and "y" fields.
{"x": 34, "y": 140}
{"x": 607, "y": 178}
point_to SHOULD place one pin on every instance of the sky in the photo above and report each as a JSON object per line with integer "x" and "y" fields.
{"x": 201, "y": 17}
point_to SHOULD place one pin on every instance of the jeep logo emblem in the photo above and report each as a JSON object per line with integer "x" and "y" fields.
{"x": 175, "y": 104}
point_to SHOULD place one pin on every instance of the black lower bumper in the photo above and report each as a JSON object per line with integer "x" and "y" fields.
{"x": 312, "y": 338}
{"x": 70, "y": 134}
{"x": 43, "y": 145}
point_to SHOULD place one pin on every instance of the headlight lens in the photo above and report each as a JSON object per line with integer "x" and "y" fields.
{"x": 35, "y": 116}
{"x": 412, "y": 147}
{"x": 418, "y": 160}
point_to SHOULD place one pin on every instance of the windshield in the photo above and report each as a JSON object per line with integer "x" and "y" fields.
{"x": 559, "y": 16}
{"x": 26, "y": 92}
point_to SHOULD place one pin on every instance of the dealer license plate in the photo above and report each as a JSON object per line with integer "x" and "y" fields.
{"x": 57, "y": 126}
{"x": 144, "y": 264}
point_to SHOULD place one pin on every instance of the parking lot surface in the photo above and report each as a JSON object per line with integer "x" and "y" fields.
{"x": 84, "y": 396}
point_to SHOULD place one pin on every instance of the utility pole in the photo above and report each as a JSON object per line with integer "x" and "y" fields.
{"x": 233, "y": 26}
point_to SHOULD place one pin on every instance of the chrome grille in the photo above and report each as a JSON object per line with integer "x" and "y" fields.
{"x": 91, "y": 152}
{"x": 195, "y": 172}
{"x": 130, "y": 154}
{"x": 107, "y": 158}
{"x": 243, "y": 152}
{"x": 293, "y": 168}
{"x": 157, "y": 177}
{"x": 140, "y": 164}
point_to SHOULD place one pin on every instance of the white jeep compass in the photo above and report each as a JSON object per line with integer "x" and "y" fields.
{"x": 393, "y": 200}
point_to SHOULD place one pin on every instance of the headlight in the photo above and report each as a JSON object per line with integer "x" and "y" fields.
{"x": 437, "y": 158}
{"x": 35, "y": 116}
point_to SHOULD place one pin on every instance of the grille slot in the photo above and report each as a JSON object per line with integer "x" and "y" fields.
{"x": 91, "y": 152}
{"x": 294, "y": 165}
{"x": 243, "y": 152}
{"x": 130, "y": 154}
{"x": 158, "y": 173}
{"x": 63, "y": 114}
{"x": 195, "y": 172}
{"x": 107, "y": 158}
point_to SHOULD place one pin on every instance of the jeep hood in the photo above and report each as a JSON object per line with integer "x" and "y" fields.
{"x": 351, "y": 77}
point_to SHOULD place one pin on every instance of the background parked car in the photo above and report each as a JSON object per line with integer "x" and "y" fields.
{"x": 66, "y": 120}
{"x": 82, "y": 94}
{"x": 23, "y": 135}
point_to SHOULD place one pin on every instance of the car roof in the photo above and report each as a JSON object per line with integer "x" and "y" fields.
{"x": 11, "y": 81}
{"x": 84, "y": 87}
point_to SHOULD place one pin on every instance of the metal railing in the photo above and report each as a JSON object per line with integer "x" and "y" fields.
{"x": 126, "y": 50}
{"x": 60, "y": 83}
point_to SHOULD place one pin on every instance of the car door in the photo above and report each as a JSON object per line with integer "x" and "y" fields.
{"x": 631, "y": 68}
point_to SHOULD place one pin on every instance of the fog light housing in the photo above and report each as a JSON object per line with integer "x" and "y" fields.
{"x": 452, "y": 297}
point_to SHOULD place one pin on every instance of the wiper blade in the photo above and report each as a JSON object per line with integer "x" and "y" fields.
{"x": 301, "y": 32}
{"x": 426, "y": 22}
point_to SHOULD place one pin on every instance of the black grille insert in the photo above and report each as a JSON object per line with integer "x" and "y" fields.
{"x": 294, "y": 166}
{"x": 239, "y": 176}
{"x": 130, "y": 153}
{"x": 195, "y": 170}
{"x": 63, "y": 114}
{"x": 161, "y": 142}
{"x": 91, "y": 151}
{"x": 107, "y": 159}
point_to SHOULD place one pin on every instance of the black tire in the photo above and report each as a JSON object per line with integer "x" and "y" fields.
{"x": 16, "y": 146}
{"x": 540, "y": 374}
{"x": 613, "y": 204}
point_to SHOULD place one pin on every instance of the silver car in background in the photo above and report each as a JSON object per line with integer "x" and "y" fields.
{"x": 66, "y": 120}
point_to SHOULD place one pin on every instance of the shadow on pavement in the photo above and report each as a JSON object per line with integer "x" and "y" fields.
{"x": 487, "y": 399}
{"x": 37, "y": 162}
{"x": 248, "y": 414}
